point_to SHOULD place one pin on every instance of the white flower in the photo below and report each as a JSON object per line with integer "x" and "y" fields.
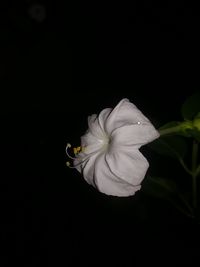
{"x": 109, "y": 157}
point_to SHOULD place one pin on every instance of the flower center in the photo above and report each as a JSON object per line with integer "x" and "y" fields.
{"x": 106, "y": 140}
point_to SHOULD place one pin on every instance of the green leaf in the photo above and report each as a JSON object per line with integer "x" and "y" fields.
{"x": 196, "y": 134}
{"x": 196, "y": 125}
{"x": 171, "y": 146}
{"x": 166, "y": 189}
{"x": 158, "y": 187}
{"x": 197, "y": 116}
{"x": 191, "y": 107}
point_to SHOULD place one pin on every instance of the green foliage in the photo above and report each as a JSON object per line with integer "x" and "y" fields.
{"x": 171, "y": 146}
{"x": 169, "y": 125}
{"x": 159, "y": 187}
{"x": 197, "y": 116}
{"x": 191, "y": 107}
{"x": 173, "y": 143}
{"x": 196, "y": 124}
{"x": 184, "y": 128}
{"x": 196, "y": 134}
{"x": 166, "y": 189}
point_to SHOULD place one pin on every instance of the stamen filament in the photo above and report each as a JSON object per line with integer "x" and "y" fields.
{"x": 73, "y": 167}
{"x": 68, "y": 146}
{"x": 81, "y": 161}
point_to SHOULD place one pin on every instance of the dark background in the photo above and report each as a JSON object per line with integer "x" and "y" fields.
{"x": 59, "y": 64}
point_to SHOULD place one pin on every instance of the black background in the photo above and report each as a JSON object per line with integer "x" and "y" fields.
{"x": 57, "y": 69}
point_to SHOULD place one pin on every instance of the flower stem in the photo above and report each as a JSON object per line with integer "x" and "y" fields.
{"x": 185, "y": 167}
{"x": 170, "y": 130}
{"x": 198, "y": 171}
{"x": 194, "y": 174}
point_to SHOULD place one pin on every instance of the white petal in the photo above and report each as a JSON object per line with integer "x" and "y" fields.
{"x": 124, "y": 113}
{"x": 108, "y": 183}
{"x": 88, "y": 169}
{"x": 128, "y": 164}
{"x": 94, "y": 127}
{"x": 88, "y": 139}
{"x": 120, "y": 170}
{"x": 77, "y": 164}
{"x": 130, "y": 135}
{"x": 90, "y": 143}
{"x": 85, "y": 164}
{"x": 103, "y": 117}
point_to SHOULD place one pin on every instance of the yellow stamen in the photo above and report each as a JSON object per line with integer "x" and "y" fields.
{"x": 77, "y": 150}
{"x": 82, "y": 159}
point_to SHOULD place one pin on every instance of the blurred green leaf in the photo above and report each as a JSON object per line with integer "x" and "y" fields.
{"x": 158, "y": 186}
{"x": 196, "y": 124}
{"x": 196, "y": 134}
{"x": 191, "y": 107}
{"x": 197, "y": 116}
{"x": 166, "y": 189}
{"x": 171, "y": 146}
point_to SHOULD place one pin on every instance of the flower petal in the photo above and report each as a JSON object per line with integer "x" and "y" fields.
{"x": 88, "y": 169}
{"x": 90, "y": 143}
{"x": 110, "y": 160}
{"x": 94, "y": 127}
{"x": 108, "y": 183}
{"x": 77, "y": 164}
{"x": 103, "y": 115}
{"x": 134, "y": 135}
{"x": 123, "y": 114}
{"x": 128, "y": 164}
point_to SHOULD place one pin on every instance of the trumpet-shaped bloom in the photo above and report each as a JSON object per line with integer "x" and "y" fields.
{"x": 109, "y": 157}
